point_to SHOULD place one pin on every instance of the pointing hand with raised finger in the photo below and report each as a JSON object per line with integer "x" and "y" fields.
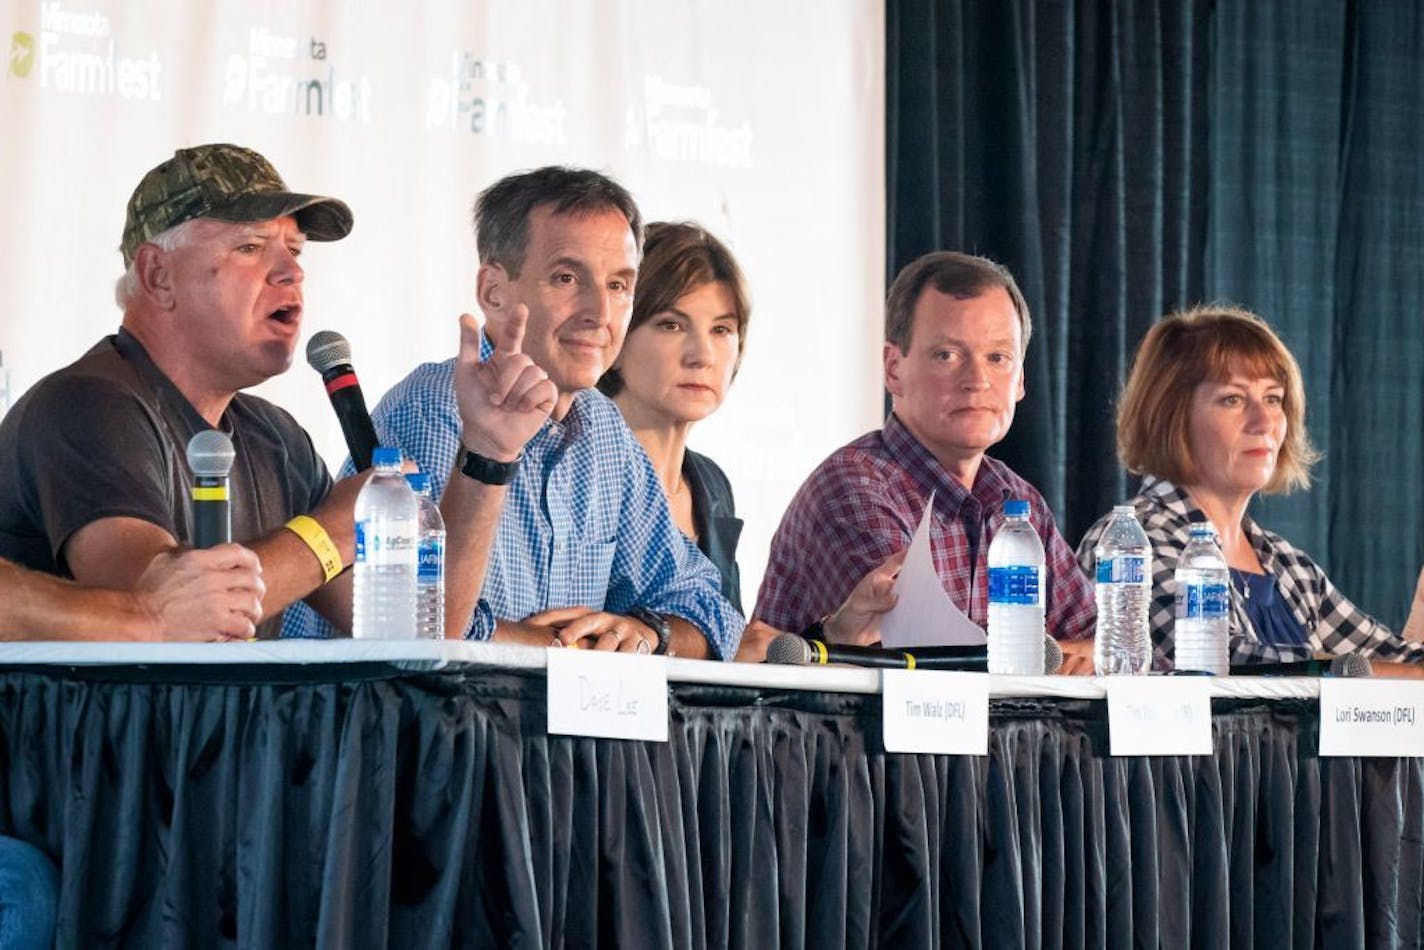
{"x": 503, "y": 400}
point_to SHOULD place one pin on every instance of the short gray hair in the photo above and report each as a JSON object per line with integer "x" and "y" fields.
{"x": 502, "y": 210}
{"x": 126, "y": 289}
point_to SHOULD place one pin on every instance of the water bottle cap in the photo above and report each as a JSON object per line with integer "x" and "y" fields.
{"x": 1124, "y": 510}
{"x": 1202, "y": 529}
{"x": 1016, "y": 508}
{"x": 419, "y": 482}
{"x": 386, "y": 457}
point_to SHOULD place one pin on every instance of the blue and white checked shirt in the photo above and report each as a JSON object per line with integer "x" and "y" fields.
{"x": 585, "y": 522}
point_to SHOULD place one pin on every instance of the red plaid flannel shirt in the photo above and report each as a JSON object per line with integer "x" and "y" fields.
{"x": 863, "y": 504}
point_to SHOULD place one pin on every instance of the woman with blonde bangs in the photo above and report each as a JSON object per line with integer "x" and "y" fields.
{"x": 1213, "y": 413}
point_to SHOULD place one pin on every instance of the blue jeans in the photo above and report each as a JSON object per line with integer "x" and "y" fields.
{"x": 29, "y": 896}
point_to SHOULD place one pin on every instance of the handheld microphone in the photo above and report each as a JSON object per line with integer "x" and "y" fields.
{"x": 792, "y": 649}
{"x": 210, "y": 456}
{"x": 329, "y": 353}
{"x": 1350, "y": 665}
{"x": 1052, "y": 656}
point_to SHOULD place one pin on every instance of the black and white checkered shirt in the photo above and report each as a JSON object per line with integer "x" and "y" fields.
{"x": 1332, "y": 623}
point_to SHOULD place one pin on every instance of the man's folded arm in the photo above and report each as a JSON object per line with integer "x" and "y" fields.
{"x": 192, "y": 595}
{"x": 113, "y": 553}
{"x": 656, "y": 567}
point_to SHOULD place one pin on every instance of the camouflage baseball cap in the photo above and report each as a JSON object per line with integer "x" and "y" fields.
{"x": 229, "y": 183}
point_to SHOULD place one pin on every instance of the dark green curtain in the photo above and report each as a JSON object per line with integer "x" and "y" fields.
{"x": 1127, "y": 158}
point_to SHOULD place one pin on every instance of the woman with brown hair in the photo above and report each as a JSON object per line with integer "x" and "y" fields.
{"x": 682, "y": 349}
{"x": 1214, "y": 412}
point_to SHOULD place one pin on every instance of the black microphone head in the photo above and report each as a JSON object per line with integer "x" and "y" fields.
{"x": 1351, "y": 665}
{"x": 789, "y": 649}
{"x": 1052, "y": 656}
{"x": 210, "y": 453}
{"x": 326, "y": 349}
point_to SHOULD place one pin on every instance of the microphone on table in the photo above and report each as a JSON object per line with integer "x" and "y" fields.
{"x": 1052, "y": 656}
{"x": 792, "y": 649}
{"x": 329, "y": 353}
{"x": 1346, "y": 665}
{"x": 210, "y": 456}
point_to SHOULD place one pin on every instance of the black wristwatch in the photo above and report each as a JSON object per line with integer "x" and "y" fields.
{"x": 486, "y": 470}
{"x": 657, "y": 623}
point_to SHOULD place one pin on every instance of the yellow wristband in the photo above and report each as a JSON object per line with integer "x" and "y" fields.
{"x": 315, "y": 537}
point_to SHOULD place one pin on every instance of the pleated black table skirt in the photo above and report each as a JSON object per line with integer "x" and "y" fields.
{"x": 362, "y": 806}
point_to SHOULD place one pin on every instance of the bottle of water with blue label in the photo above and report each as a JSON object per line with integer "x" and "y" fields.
{"x": 1123, "y": 644}
{"x": 1016, "y": 595}
{"x": 430, "y": 570}
{"x": 1201, "y": 630}
{"x": 387, "y": 534}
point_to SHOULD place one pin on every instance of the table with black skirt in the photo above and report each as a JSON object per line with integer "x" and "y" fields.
{"x": 407, "y": 794}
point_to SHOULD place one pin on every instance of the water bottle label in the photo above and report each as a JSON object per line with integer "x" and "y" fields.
{"x": 432, "y": 560}
{"x": 1123, "y": 569}
{"x": 1189, "y": 602}
{"x": 1202, "y": 602}
{"x": 1215, "y": 601}
{"x": 380, "y": 551}
{"x": 1016, "y": 585}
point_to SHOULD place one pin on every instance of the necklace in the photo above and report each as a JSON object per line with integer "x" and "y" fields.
{"x": 1243, "y": 586}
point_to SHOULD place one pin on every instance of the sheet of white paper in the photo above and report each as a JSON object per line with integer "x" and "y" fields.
{"x": 924, "y": 615}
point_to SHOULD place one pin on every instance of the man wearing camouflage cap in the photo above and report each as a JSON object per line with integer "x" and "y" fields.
{"x": 93, "y": 474}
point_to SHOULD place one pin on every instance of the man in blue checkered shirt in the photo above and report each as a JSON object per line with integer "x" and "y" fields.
{"x": 558, "y": 531}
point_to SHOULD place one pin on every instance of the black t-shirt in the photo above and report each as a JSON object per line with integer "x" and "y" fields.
{"x": 107, "y": 437}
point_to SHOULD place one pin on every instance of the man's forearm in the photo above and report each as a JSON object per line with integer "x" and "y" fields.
{"x": 40, "y": 607}
{"x": 471, "y": 510}
{"x": 292, "y": 567}
{"x": 687, "y": 641}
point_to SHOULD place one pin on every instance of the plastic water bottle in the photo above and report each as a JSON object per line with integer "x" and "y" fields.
{"x": 430, "y": 571}
{"x": 387, "y": 533}
{"x": 1203, "y": 605}
{"x": 1016, "y": 595}
{"x": 1123, "y": 644}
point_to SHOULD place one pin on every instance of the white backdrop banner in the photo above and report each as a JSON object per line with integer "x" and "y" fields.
{"x": 761, "y": 119}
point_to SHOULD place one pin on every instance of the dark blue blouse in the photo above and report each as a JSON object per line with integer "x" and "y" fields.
{"x": 1269, "y": 613}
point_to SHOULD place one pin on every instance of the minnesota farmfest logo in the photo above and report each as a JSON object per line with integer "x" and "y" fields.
{"x": 75, "y": 51}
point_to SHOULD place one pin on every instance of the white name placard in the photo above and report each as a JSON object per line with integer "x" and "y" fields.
{"x": 935, "y": 711}
{"x": 1158, "y": 715}
{"x": 1368, "y": 717}
{"x": 607, "y": 695}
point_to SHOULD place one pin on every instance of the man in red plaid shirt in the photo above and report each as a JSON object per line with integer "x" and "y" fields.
{"x": 956, "y": 331}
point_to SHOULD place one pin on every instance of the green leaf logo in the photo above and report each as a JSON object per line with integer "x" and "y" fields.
{"x": 22, "y": 54}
